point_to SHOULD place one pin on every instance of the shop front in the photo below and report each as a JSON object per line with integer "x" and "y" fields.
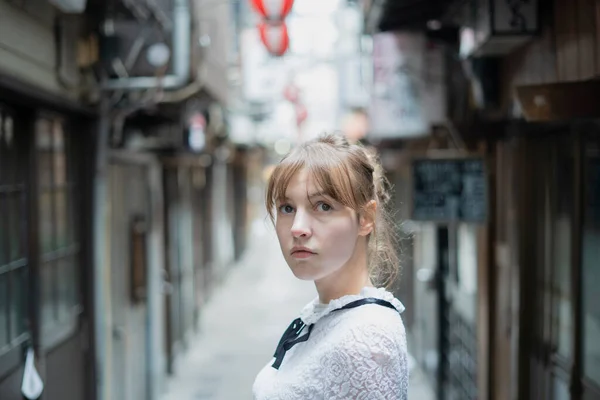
{"x": 45, "y": 283}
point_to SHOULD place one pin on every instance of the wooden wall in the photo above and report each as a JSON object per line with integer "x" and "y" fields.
{"x": 566, "y": 50}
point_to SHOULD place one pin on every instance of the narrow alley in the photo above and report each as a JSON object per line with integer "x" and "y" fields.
{"x": 242, "y": 323}
{"x": 137, "y": 139}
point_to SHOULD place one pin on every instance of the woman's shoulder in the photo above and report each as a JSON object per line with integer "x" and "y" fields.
{"x": 315, "y": 310}
{"x": 387, "y": 320}
{"x": 368, "y": 336}
{"x": 374, "y": 326}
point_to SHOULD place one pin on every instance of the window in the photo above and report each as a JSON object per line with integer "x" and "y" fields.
{"x": 560, "y": 254}
{"x": 590, "y": 264}
{"x": 13, "y": 259}
{"x": 58, "y": 245}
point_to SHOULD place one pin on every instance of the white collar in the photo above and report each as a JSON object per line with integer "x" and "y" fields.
{"x": 316, "y": 310}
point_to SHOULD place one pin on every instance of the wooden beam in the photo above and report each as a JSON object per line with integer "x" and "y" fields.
{"x": 24, "y": 93}
{"x": 560, "y": 101}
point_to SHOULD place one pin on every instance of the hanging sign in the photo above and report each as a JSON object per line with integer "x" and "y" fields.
{"x": 396, "y": 108}
{"x": 451, "y": 189}
{"x": 197, "y": 134}
{"x": 497, "y": 27}
{"x": 301, "y": 114}
{"x": 291, "y": 93}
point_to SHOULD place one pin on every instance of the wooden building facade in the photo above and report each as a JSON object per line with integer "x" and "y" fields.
{"x": 508, "y": 308}
{"x": 545, "y": 305}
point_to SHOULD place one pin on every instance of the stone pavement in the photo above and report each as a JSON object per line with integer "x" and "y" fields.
{"x": 241, "y": 324}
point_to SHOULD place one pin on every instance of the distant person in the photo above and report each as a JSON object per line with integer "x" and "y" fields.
{"x": 326, "y": 199}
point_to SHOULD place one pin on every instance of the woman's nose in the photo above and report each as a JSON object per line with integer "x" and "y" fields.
{"x": 301, "y": 226}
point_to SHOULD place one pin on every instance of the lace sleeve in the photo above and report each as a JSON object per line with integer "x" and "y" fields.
{"x": 370, "y": 363}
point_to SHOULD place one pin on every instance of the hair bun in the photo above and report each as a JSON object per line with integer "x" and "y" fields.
{"x": 333, "y": 139}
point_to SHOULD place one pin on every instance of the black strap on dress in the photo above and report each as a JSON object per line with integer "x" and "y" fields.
{"x": 291, "y": 336}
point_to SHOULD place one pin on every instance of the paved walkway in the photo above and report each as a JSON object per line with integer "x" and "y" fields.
{"x": 242, "y": 324}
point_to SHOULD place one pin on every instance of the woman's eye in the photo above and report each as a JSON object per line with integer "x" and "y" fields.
{"x": 323, "y": 207}
{"x": 286, "y": 209}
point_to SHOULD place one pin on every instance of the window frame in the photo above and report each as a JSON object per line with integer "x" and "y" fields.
{"x": 63, "y": 327}
{"x": 11, "y": 352}
{"x": 590, "y": 388}
{"x": 562, "y": 150}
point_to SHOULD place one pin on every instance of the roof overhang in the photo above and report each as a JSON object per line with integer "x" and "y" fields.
{"x": 411, "y": 15}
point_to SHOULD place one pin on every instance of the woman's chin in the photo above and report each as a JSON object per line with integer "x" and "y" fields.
{"x": 303, "y": 272}
{"x": 302, "y": 275}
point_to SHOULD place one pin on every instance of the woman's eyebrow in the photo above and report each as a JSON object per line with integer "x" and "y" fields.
{"x": 318, "y": 194}
{"x": 310, "y": 196}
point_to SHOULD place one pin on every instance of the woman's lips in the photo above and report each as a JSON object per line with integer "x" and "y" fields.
{"x": 302, "y": 254}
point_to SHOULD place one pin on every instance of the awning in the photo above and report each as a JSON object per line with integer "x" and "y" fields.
{"x": 390, "y": 15}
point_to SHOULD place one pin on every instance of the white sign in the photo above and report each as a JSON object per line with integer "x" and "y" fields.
{"x": 408, "y": 86}
{"x": 197, "y": 139}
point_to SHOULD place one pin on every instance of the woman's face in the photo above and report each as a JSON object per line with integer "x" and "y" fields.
{"x": 317, "y": 235}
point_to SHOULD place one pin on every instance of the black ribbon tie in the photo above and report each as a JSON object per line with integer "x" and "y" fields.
{"x": 291, "y": 336}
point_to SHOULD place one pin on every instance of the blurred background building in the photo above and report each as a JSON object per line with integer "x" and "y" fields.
{"x": 136, "y": 136}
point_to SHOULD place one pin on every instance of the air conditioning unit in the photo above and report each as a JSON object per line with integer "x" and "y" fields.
{"x": 70, "y": 6}
{"x": 497, "y": 27}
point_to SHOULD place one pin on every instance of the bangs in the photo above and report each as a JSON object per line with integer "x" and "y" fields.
{"x": 325, "y": 165}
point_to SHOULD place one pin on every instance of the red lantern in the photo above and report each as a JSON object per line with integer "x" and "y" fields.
{"x": 301, "y": 114}
{"x": 291, "y": 93}
{"x": 273, "y": 10}
{"x": 275, "y": 37}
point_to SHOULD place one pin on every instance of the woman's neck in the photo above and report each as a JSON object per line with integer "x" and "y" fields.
{"x": 348, "y": 280}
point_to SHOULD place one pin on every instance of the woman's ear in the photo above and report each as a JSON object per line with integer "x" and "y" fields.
{"x": 367, "y": 218}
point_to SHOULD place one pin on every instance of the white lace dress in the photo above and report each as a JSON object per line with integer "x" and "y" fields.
{"x": 359, "y": 353}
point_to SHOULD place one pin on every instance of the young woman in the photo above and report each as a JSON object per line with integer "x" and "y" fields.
{"x": 326, "y": 199}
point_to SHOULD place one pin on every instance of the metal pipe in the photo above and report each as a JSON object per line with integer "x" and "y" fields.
{"x": 101, "y": 257}
{"x": 182, "y": 32}
{"x": 154, "y": 317}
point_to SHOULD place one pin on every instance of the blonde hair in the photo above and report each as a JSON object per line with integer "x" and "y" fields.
{"x": 351, "y": 175}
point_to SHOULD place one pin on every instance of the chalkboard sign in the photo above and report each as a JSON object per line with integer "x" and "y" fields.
{"x": 449, "y": 190}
